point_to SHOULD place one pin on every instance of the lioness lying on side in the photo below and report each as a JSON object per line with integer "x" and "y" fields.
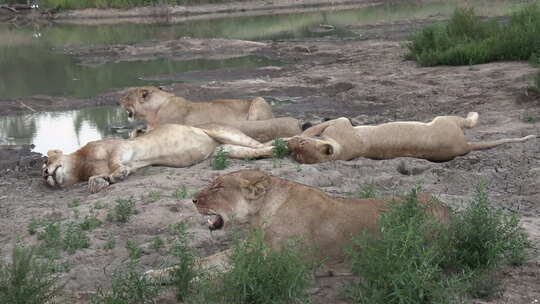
{"x": 442, "y": 139}
{"x": 156, "y": 107}
{"x": 108, "y": 161}
{"x": 284, "y": 209}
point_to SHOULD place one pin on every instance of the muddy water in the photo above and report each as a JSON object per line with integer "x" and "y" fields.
{"x": 31, "y": 61}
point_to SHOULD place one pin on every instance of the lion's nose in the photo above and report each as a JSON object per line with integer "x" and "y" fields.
{"x": 194, "y": 201}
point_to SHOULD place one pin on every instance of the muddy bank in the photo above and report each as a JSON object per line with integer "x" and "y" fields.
{"x": 183, "y": 13}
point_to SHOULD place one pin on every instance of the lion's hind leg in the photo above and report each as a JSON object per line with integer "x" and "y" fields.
{"x": 228, "y": 135}
{"x": 259, "y": 110}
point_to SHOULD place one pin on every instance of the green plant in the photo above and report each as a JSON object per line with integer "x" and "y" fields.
{"x": 260, "y": 274}
{"x": 74, "y": 203}
{"x": 74, "y": 238}
{"x": 90, "y": 222}
{"x": 99, "y": 205}
{"x": 123, "y": 210}
{"x": 186, "y": 268}
{"x": 153, "y": 196}
{"x": 157, "y": 243}
{"x": 51, "y": 240}
{"x": 110, "y": 243}
{"x": 26, "y": 279}
{"x": 33, "y": 225}
{"x": 134, "y": 250}
{"x": 128, "y": 286}
{"x": 220, "y": 160}
{"x": 181, "y": 193}
{"x": 279, "y": 148}
{"x": 367, "y": 191}
{"x": 483, "y": 236}
{"x": 400, "y": 263}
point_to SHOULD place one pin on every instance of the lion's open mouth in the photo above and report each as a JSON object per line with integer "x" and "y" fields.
{"x": 50, "y": 177}
{"x": 215, "y": 222}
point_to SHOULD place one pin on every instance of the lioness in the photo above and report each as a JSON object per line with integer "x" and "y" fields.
{"x": 286, "y": 209}
{"x": 440, "y": 140}
{"x": 156, "y": 107}
{"x": 108, "y": 161}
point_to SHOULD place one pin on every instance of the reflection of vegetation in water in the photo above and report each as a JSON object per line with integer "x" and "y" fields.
{"x": 90, "y": 123}
{"x": 99, "y": 118}
{"x": 21, "y": 128}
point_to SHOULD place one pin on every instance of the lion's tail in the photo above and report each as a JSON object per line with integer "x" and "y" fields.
{"x": 471, "y": 120}
{"x": 490, "y": 144}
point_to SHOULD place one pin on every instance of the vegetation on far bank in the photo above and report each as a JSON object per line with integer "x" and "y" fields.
{"x": 78, "y": 4}
{"x": 468, "y": 39}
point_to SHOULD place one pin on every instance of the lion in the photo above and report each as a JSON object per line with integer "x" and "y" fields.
{"x": 156, "y": 107}
{"x": 283, "y": 209}
{"x": 440, "y": 140}
{"x": 108, "y": 161}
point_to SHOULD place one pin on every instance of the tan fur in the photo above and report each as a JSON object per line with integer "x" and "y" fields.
{"x": 107, "y": 161}
{"x": 156, "y": 107}
{"x": 285, "y": 209}
{"x": 442, "y": 139}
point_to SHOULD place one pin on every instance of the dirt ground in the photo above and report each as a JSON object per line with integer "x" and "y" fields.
{"x": 366, "y": 80}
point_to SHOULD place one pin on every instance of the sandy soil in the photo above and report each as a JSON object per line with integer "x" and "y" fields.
{"x": 367, "y": 81}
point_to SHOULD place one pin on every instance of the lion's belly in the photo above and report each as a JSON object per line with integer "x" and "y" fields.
{"x": 170, "y": 145}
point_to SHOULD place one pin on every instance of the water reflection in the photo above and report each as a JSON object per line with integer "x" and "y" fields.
{"x": 66, "y": 131}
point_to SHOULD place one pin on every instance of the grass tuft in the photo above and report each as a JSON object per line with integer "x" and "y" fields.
{"x": 26, "y": 279}
{"x": 279, "y": 148}
{"x": 187, "y": 267}
{"x": 220, "y": 160}
{"x": 123, "y": 210}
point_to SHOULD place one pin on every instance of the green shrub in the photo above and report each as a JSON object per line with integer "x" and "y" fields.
{"x": 483, "y": 236}
{"x": 401, "y": 262}
{"x": 279, "y": 148}
{"x": 181, "y": 193}
{"x": 128, "y": 286}
{"x": 468, "y": 39}
{"x": 110, "y": 243}
{"x": 220, "y": 160}
{"x": 187, "y": 267}
{"x": 90, "y": 222}
{"x": 157, "y": 243}
{"x": 413, "y": 259}
{"x": 262, "y": 275}
{"x": 134, "y": 250}
{"x": 27, "y": 280}
{"x": 123, "y": 210}
{"x": 367, "y": 191}
{"x": 74, "y": 238}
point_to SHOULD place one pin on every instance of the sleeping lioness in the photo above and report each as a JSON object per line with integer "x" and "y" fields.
{"x": 156, "y": 107}
{"x": 108, "y": 161}
{"x": 284, "y": 209}
{"x": 442, "y": 139}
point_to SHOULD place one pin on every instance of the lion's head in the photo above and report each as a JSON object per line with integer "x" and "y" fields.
{"x": 136, "y": 101}
{"x": 57, "y": 169}
{"x": 311, "y": 150}
{"x": 237, "y": 195}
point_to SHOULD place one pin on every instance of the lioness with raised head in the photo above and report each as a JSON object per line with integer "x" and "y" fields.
{"x": 286, "y": 209}
{"x": 108, "y": 161}
{"x": 442, "y": 139}
{"x": 156, "y": 107}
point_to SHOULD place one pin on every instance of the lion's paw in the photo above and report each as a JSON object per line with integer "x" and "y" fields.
{"x": 97, "y": 183}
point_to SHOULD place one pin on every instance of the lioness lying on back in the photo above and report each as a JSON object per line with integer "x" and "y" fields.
{"x": 156, "y": 107}
{"x": 108, "y": 161}
{"x": 442, "y": 139}
{"x": 285, "y": 209}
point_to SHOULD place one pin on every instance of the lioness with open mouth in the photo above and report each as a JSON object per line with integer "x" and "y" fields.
{"x": 284, "y": 209}
{"x": 108, "y": 161}
{"x": 440, "y": 140}
{"x": 156, "y": 107}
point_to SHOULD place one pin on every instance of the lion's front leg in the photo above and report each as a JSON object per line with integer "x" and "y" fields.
{"x": 246, "y": 152}
{"x": 99, "y": 182}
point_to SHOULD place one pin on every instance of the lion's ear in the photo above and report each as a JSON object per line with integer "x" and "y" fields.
{"x": 145, "y": 94}
{"x": 52, "y": 153}
{"x": 328, "y": 149}
{"x": 253, "y": 190}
